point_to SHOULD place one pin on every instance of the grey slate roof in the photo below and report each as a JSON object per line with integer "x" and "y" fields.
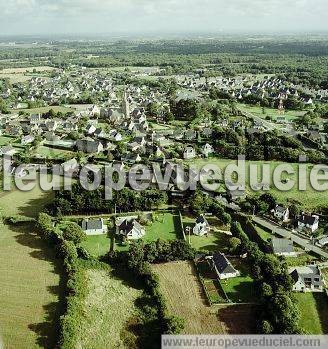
{"x": 92, "y": 224}
{"x": 282, "y": 245}
{"x": 222, "y": 264}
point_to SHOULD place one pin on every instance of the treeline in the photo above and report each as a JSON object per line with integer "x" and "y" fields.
{"x": 80, "y": 200}
{"x": 280, "y": 315}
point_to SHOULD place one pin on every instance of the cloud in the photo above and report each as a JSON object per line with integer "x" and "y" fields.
{"x": 28, "y": 16}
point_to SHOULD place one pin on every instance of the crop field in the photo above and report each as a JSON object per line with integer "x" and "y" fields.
{"x": 29, "y": 277}
{"x": 184, "y": 295}
{"x": 308, "y": 199}
{"x": 107, "y": 310}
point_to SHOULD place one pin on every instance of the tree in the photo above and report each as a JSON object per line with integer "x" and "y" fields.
{"x": 73, "y": 232}
{"x": 234, "y": 244}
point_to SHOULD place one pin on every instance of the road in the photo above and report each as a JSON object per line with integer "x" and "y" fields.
{"x": 276, "y": 229}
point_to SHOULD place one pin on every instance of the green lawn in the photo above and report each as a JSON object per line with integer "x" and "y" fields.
{"x": 165, "y": 227}
{"x": 53, "y": 153}
{"x": 240, "y": 289}
{"x": 5, "y": 140}
{"x": 314, "y": 312}
{"x": 290, "y": 115}
{"x": 97, "y": 245}
{"x": 309, "y": 199}
{"x": 213, "y": 242}
{"x": 301, "y": 259}
{"x": 42, "y": 110}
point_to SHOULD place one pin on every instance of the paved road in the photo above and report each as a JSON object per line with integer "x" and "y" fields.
{"x": 276, "y": 229}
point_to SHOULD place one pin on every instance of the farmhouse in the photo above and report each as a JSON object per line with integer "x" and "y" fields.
{"x": 307, "y": 279}
{"x": 283, "y": 247}
{"x": 223, "y": 267}
{"x": 201, "y": 227}
{"x": 130, "y": 229}
{"x": 94, "y": 226}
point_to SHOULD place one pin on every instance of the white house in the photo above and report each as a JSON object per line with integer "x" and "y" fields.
{"x": 223, "y": 267}
{"x": 306, "y": 222}
{"x": 189, "y": 153}
{"x": 201, "y": 227}
{"x": 130, "y": 229}
{"x": 307, "y": 279}
{"x": 94, "y": 226}
{"x": 207, "y": 150}
{"x": 281, "y": 213}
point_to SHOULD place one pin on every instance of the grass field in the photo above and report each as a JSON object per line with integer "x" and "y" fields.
{"x": 42, "y": 110}
{"x": 309, "y": 199}
{"x": 314, "y": 312}
{"x": 181, "y": 288}
{"x": 52, "y": 153}
{"x": 265, "y": 235}
{"x": 97, "y": 245}
{"x": 107, "y": 310}
{"x": 165, "y": 227}
{"x": 29, "y": 279}
{"x": 290, "y": 115}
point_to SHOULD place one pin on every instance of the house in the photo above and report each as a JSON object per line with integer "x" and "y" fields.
{"x": 130, "y": 229}
{"x": 306, "y": 279}
{"x": 201, "y": 227}
{"x": 207, "y": 150}
{"x": 281, "y": 213}
{"x": 189, "y": 153}
{"x": 223, "y": 267}
{"x": 94, "y": 226}
{"x": 282, "y": 247}
{"x": 27, "y": 140}
{"x": 88, "y": 145}
{"x": 306, "y": 222}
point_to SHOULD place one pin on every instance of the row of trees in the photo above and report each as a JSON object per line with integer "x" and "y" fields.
{"x": 280, "y": 315}
{"x": 127, "y": 200}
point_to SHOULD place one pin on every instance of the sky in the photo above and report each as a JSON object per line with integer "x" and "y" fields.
{"x": 134, "y": 17}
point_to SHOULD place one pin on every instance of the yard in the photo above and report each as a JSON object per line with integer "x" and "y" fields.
{"x": 314, "y": 312}
{"x": 216, "y": 240}
{"x": 166, "y": 226}
{"x": 185, "y": 298}
{"x": 29, "y": 277}
{"x": 108, "y": 310}
{"x": 97, "y": 245}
